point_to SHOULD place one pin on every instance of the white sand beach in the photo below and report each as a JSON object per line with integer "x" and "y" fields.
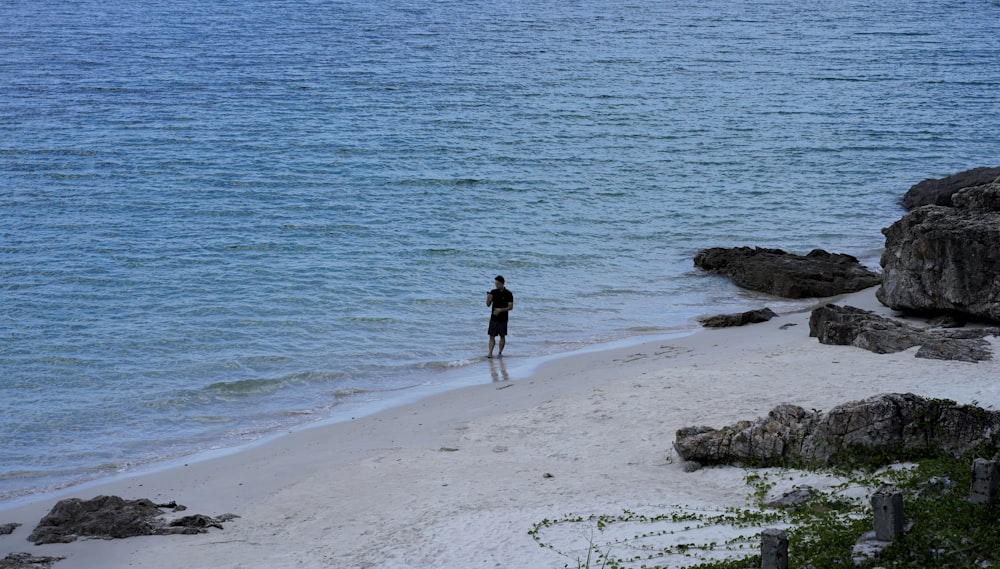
{"x": 457, "y": 480}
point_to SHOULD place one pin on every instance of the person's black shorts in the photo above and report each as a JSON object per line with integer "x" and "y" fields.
{"x": 497, "y": 328}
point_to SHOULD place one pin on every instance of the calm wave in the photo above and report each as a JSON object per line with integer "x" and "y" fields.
{"x": 221, "y": 219}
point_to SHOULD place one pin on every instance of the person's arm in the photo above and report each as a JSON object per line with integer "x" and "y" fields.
{"x": 489, "y": 298}
{"x": 510, "y": 306}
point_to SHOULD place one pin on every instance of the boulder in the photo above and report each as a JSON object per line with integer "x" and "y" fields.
{"x": 940, "y": 191}
{"x": 773, "y": 271}
{"x": 104, "y": 516}
{"x": 111, "y": 517}
{"x": 850, "y": 326}
{"x": 945, "y": 260}
{"x": 738, "y": 319}
{"x": 875, "y": 431}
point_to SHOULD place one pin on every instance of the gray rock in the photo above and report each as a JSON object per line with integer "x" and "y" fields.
{"x": 960, "y": 349}
{"x": 945, "y": 260}
{"x": 104, "y": 516}
{"x": 867, "y": 549}
{"x": 793, "y": 498}
{"x": 947, "y": 321}
{"x": 940, "y": 191}
{"x": 112, "y": 517}
{"x": 7, "y": 529}
{"x": 787, "y": 275}
{"x": 878, "y": 430}
{"x": 850, "y": 326}
{"x": 28, "y": 561}
{"x": 985, "y": 198}
{"x": 738, "y": 319}
{"x": 196, "y": 524}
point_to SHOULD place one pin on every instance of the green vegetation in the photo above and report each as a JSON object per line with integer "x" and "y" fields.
{"x": 945, "y": 530}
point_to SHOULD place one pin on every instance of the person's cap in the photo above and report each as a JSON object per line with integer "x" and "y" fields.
{"x": 500, "y": 278}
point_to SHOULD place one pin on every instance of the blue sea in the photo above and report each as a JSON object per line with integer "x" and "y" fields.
{"x": 224, "y": 220}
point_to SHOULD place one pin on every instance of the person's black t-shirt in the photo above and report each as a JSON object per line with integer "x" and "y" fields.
{"x": 501, "y": 299}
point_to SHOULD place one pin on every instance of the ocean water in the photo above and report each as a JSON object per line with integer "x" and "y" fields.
{"x": 225, "y": 219}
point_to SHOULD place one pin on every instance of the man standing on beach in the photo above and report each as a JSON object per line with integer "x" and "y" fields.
{"x": 502, "y": 301}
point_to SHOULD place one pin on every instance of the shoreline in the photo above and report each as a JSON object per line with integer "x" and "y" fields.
{"x": 512, "y": 368}
{"x": 458, "y": 478}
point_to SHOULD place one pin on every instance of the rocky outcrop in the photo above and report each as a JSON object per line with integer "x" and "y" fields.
{"x": 738, "y": 319}
{"x": 945, "y": 260}
{"x": 787, "y": 275}
{"x": 940, "y": 191}
{"x": 111, "y": 517}
{"x": 850, "y": 326}
{"x": 878, "y": 430}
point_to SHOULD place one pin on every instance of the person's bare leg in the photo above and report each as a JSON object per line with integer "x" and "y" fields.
{"x": 503, "y": 341}
{"x": 493, "y": 341}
